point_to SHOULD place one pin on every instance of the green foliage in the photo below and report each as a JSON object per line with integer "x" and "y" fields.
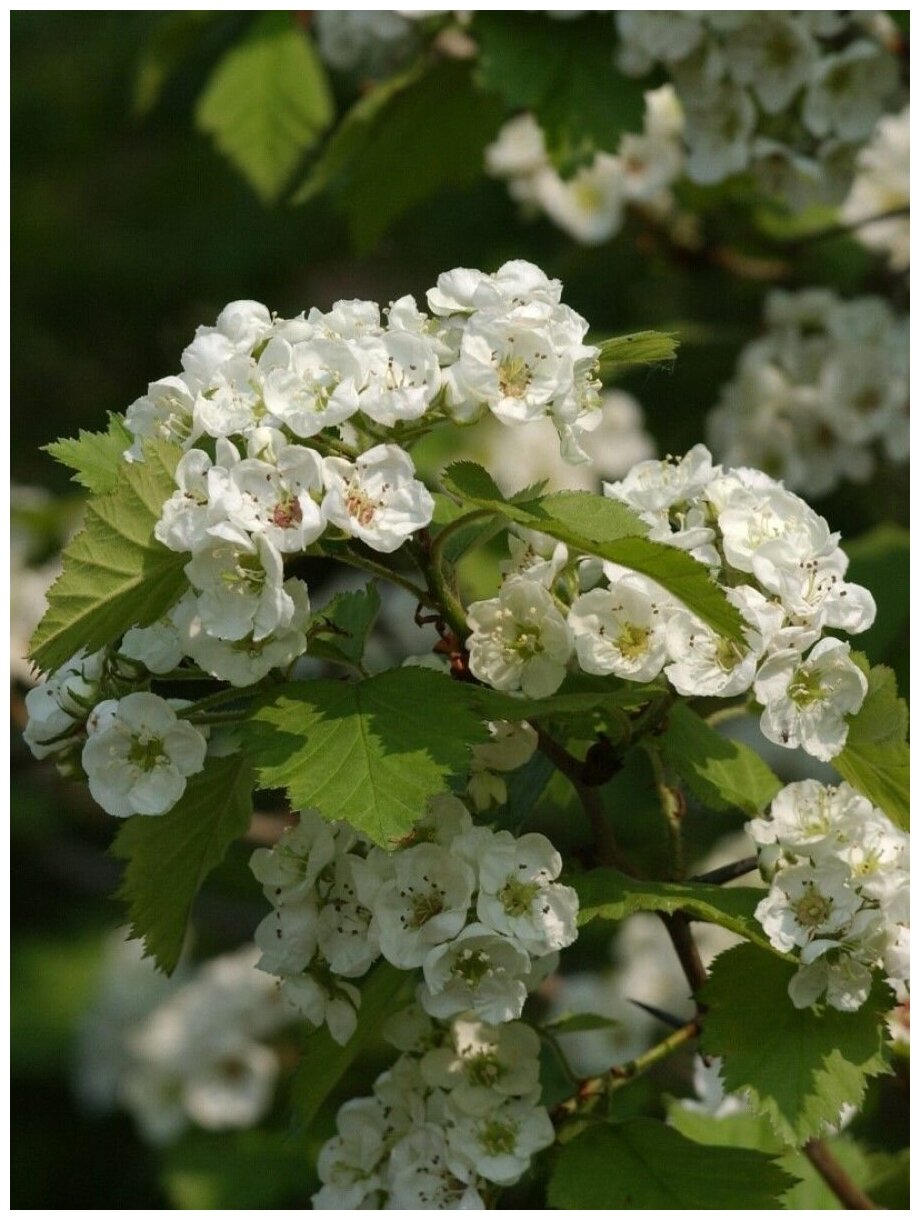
{"x": 95, "y": 457}
{"x": 342, "y": 627}
{"x": 603, "y": 527}
{"x": 630, "y": 351}
{"x": 408, "y": 138}
{"x": 876, "y": 758}
{"x": 169, "y": 857}
{"x": 324, "y": 1062}
{"x": 217, "y": 1170}
{"x": 604, "y": 893}
{"x": 174, "y": 38}
{"x": 722, "y": 774}
{"x": 115, "y": 573}
{"x": 880, "y": 560}
{"x": 267, "y": 102}
{"x": 564, "y": 72}
{"x": 643, "y": 1164}
{"x": 371, "y": 752}
{"x": 800, "y": 1065}
{"x": 567, "y": 702}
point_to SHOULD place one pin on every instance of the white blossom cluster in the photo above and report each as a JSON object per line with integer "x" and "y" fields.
{"x": 779, "y": 564}
{"x": 882, "y": 186}
{"x": 591, "y": 204}
{"x": 372, "y": 41}
{"x": 457, "y": 1115}
{"x": 134, "y": 749}
{"x": 478, "y": 911}
{"x": 788, "y": 97}
{"x": 194, "y": 1050}
{"x": 839, "y": 894}
{"x": 815, "y": 395}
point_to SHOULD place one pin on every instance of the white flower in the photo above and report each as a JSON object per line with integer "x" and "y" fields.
{"x": 809, "y": 818}
{"x": 849, "y": 91}
{"x": 846, "y": 980}
{"x": 589, "y": 205}
{"x": 519, "y": 149}
{"x": 653, "y": 486}
{"x": 233, "y": 1090}
{"x": 482, "y": 1062}
{"x": 805, "y": 700}
{"x": 497, "y": 1145}
{"x": 140, "y": 762}
{"x": 187, "y": 514}
{"x": 520, "y": 640}
{"x": 808, "y": 903}
{"x": 510, "y": 747}
{"x": 346, "y": 939}
{"x": 232, "y": 401}
{"x": 290, "y": 870}
{"x": 158, "y": 648}
{"x": 720, "y": 125}
{"x": 775, "y": 55}
{"x": 519, "y": 896}
{"x": 882, "y": 184}
{"x": 620, "y": 630}
{"x": 403, "y": 377}
{"x": 310, "y": 385}
{"x": 348, "y": 1164}
{"x": 535, "y": 556}
{"x": 509, "y": 361}
{"x": 424, "y": 904}
{"x": 478, "y": 971}
{"x": 327, "y": 1002}
{"x": 419, "y": 1177}
{"x": 276, "y": 498}
{"x": 241, "y": 590}
{"x": 287, "y": 937}
{"x": 165, "y": 411}
{"x": 59, "y": 706}
{"x": 376, "y": 499}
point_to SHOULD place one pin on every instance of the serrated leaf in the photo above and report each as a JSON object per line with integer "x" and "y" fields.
{"x": 267, "y": 102}
{"x": 324, "y": 1062}
{"x": 605, "y": 893}
{"x": 643, "y": 1164}
{"x": 528, "y": 58}
{"x": 721, "y": 773}
{"x": 799, "y": 1065}
{"x": 342, "y": 627}
{"x": 115, "y": 573}
{"x": 601, "y": 526}
{"x": 500, "y": 705}
{"x": 95, "y": 457}
{"x": 170, "y": 856}
{"x": 642, "y": 347}
{"x": 876, "y": 758}
{"x": 370, "y": 753}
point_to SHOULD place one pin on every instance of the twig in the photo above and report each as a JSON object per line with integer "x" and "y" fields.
{"x": 837, "y": 1177}
{"x": 728, "y": 872}
{"x": 841, "y": 230}
{"x": 678, "y": 927}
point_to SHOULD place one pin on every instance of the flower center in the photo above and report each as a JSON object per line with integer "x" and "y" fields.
{"x": 484, "y": 1070}
{"x": 633, "y": 641}
{"x": 813, "y": 908}
{"x": 517, "y": 896}
{"x": 472, "y": 965}
{"x": 513, "y": 376}
{"x": 360, "y": 506}
{"x": 425, "y": 907}
{"x": 498, "y": 1139}
{"x": 288, "y": 512}
{"x": 146, "y": 752}
{"x": 805, "y": 687}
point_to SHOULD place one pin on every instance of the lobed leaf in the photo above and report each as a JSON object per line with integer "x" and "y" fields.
{"x": 342, "y": 627}
{"x": 115, "y": 573}
{"x": 800, "y": 1066}
{"x": 170, "y": 856}
{"x": 643, "y": 1164}
{"x": 95, "y": 457}
{"x": 370, "y": 753}
{"x": 876, "y": 758}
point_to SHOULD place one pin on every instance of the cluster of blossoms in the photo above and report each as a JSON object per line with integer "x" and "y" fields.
{"x": 478, "y": 911}
{"x": 839, "y": 871}
{"x": 776, "y": 559}
{"x": 372, "y": 42}
{"x": 590, "y": 206}
{"x": 134, "y": 749}
{"x": 457, "y": 1115}
{"x": 882, "y": 185}
{"x": 786, "y": 97}
{"x": 195, "y": 1049}
{"x": 826, "y": 383}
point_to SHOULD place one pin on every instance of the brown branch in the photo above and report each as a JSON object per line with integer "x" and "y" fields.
{"x": 837, "y": 1177}
{"x": 678, "y": 927}
{"x": 728, "y": 872}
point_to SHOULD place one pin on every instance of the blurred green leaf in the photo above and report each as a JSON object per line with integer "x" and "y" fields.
{"x": 721, "y": 773}
{"x": 880, "y": 560}
{"x": 173, "y": 39}
{"x": 208, "y": 1171}
{"x": 267, "y": 102}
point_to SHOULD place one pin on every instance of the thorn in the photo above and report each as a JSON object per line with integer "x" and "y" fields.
{"x": 665, "y": 1017}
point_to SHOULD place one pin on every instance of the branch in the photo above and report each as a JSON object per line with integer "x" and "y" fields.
{"x": 678, "y": 927}
{"x": 728, "y": 872}
{"x": 837, "y": 1177}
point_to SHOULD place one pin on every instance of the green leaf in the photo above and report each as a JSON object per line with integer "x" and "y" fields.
{"x": 370, "y": 753}
{"x": 267, "y": 102}
{"x": 347, "y": 143}
{"x": 604, "y": 893}
{"x": 431, "y": 114}
{"x": 721, "y": 773}
{"x": 604, "y": 527}
{"x": 643, "y": 347}
{"x": 342, "y": 627}
{"x": 876, "y": 758}
{"x": 500, "y": 705}
{"x": 530, "y": 60}
{"x": 641, "y": 1164}
{"x": 799, "y": 1065}
{"x": 96, "y": 457}
{"x": 115, "y": 572}
{"x": 218, "y": 1170}
{"x": 880, "y": 560}
{"x": 324, "y": 1062}
{"x": 580, "y": 1023}
{"x": 170, "y": 856}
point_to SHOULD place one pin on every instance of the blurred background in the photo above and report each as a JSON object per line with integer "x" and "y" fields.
{"x": 127, "y": 233}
